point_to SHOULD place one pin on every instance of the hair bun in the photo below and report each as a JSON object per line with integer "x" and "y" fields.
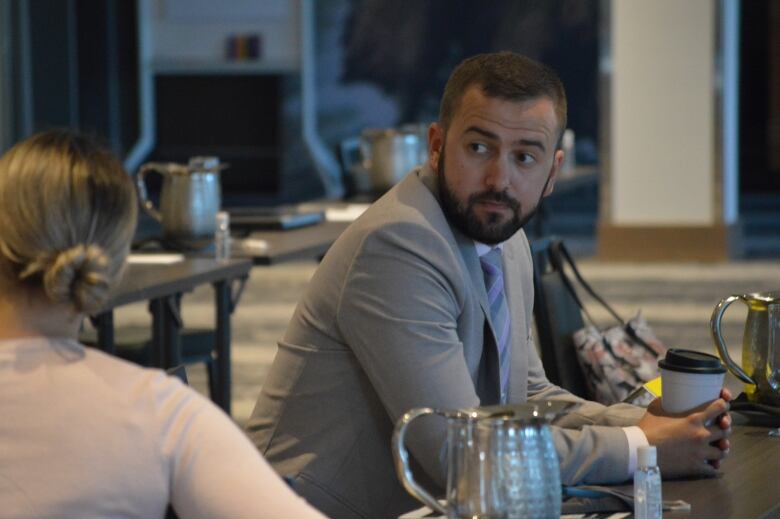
{"x": 79, "y": 276}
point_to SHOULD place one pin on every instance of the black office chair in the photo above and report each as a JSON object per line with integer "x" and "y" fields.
{"x": 557, "y": 317}
{"x": 179, "y": 372}
{"x": 134, "y": 343}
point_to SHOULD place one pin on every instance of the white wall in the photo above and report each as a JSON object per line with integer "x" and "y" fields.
{"x": 663, "y": 112}
{"x": 190, "y": 36}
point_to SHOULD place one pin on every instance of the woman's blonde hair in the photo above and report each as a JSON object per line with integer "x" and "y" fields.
{"x": 67, "y": 215}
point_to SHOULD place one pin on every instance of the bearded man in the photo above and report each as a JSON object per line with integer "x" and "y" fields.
{"x": 426, "y": 301}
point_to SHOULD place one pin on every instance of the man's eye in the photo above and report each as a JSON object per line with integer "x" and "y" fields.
{"x": 478, "y": 147}
{"x": 525, "y": 158}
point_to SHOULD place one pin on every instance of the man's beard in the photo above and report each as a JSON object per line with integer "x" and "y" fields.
{"x": 465, "y": 219}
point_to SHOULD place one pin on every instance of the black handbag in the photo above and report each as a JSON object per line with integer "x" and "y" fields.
{"x": 617, "y": 360}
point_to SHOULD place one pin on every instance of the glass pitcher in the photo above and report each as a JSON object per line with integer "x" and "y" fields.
{"x": 502, "y": 461}
{"x": 760, "y": 369}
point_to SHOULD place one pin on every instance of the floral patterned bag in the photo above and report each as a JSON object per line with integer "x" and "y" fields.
{"x": 614, "y": 361}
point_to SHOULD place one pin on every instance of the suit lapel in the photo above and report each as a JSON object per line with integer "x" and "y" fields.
{"x": 465, "y": 245}
{"x": 488, "y": 381}
{"x": 516, "y": 300}
{"x": 469, "y": 253}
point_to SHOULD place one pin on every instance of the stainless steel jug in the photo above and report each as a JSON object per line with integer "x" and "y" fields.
{"x": 189, "y": 200}
{"x": 760, "y": 368}
{"x": 501, "y": 460}
{"x": 389, "y": 154}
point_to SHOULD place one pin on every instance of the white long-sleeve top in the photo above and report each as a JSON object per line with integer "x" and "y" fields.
{"x": 84, "y": 434}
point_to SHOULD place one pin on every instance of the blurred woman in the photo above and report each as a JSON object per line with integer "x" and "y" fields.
{"x": 84, "y": 434}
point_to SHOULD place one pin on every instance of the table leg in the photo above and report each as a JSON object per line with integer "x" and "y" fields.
{"x": 104, "y": 323}
{"x": 166, "y": 323}
{"x": 223, "y": 309}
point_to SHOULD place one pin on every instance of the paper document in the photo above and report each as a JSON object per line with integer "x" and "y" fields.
{"x": 155, "y": 259}
{"x": 348, "y": 213}
{"x": 252, "y": 245}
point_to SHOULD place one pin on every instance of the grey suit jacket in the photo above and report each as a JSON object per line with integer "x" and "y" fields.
{"x": 396, "y": 317}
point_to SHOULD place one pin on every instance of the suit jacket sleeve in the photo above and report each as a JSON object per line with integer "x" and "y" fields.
{"x": 397, "y": 311}
{"x": 591, "y": 446}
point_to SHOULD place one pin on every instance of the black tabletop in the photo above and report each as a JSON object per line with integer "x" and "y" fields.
{"x": 142, "y": 282}
{"x": 310, "y": 242}
{"x": 747, "y": 486}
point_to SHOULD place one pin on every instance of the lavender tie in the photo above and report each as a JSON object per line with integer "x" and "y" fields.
{"x": 499, "y": 312}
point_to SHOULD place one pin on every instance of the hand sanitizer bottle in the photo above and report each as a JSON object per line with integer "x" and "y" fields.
{"x": 647, "y": 485}
{"x": 222, "y": 236}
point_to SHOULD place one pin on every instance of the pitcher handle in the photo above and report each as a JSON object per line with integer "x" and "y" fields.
{"x": 717, "y": 315}
{"x": 402, "y": 459}
{"x": 140, "y": 182}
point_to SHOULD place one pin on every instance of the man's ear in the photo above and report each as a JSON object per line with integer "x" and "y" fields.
{"x": 435, "y": 145}
{"x": 554, "y": 170}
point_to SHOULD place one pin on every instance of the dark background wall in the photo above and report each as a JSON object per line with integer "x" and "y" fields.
{"x": 379, "y": 63}
{"x": 760, "y": 97}
{"x": 394, "y": 57}
{"x": 83, "y": 68}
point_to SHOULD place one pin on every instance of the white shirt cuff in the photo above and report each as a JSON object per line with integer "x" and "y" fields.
{"x": 636, "y": 438}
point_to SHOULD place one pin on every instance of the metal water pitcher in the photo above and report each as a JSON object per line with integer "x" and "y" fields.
{"x": 389, "y": 154}
{"x": 189, "y": 200}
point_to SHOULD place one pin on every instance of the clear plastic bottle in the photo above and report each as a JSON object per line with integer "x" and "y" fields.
{"x": 222, "y": 236}
{"x": 647, "y": 485}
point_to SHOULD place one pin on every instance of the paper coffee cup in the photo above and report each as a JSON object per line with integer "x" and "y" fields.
{"x": 689, "y": 379}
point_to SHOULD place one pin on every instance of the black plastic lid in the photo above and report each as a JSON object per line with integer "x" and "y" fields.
{"x": 688, "y": 361}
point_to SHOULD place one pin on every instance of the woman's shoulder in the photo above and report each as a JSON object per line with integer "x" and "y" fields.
{"x": 149, "y": 390}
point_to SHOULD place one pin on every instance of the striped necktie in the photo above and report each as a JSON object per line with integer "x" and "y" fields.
{"x": 499, "y": 312}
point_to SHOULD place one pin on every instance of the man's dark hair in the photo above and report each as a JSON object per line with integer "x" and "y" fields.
{"x": 507, "y": 76}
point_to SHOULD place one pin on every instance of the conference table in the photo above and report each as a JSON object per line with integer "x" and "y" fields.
{"x": 748, "y": 485}
{"x": 272, "y": 247}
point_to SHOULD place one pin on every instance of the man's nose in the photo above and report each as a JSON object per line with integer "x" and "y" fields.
{"x": 497, "y": 174}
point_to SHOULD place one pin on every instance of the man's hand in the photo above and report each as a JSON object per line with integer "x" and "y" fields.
{"x": 724, "y": 422}
{"x": 692, "y": 444}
